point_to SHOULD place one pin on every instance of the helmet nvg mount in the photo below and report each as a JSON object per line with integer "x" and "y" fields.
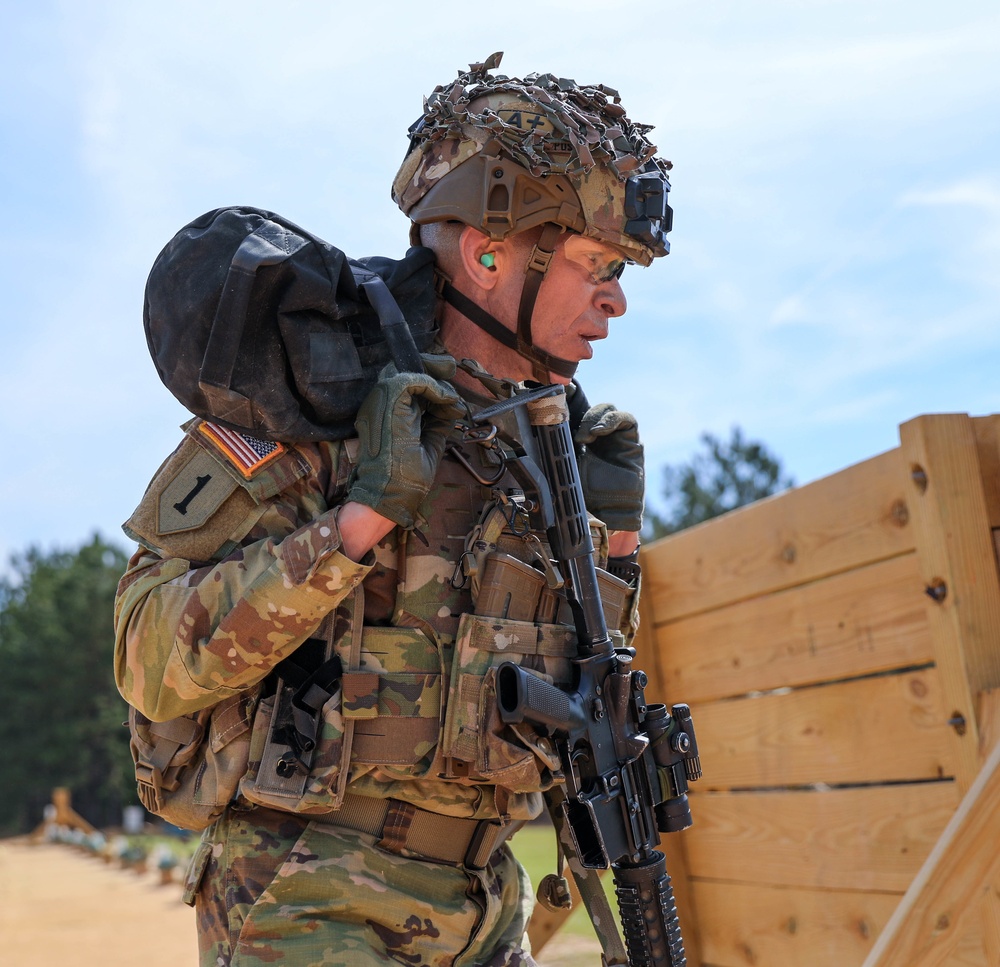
{"x": 506, "y": 155}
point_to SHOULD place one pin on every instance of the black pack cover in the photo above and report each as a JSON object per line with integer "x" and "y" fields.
{"x": 256, "y": 324}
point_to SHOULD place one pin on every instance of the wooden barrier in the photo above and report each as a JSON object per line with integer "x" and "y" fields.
{"x": 839, "y": 644}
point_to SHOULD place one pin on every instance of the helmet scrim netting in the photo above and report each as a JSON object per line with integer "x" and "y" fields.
{"x": 504, "y": 155}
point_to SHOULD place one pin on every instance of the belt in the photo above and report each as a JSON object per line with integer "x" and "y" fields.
{"x": 401, "y": 825}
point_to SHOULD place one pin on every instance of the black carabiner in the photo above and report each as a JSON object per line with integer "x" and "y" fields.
{"x": 456, "y": 452}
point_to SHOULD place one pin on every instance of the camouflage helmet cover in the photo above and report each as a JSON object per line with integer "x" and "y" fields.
{"x": 504, "y": 155}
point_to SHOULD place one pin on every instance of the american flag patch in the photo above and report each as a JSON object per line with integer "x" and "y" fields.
{"x": 245, "y": 452}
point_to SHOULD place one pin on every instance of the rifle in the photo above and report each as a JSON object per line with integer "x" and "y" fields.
{"x": 626, "y": 763}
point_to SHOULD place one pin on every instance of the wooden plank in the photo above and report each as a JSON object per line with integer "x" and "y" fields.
{"x": 931, "y": 918}
{"x": 988, "y": 719}
{"x": 867, "y": 620}
{"x": 887, "y": 728}
{"x": 761, "y": 926}
{"x": 847, "y": 520}
{"x": 955, "y": 550}
{"x": 987, "y": 431}
{"x": 650, "y": 655}
{"x": 868, "y": 838}
{"x": 969, "y": 952}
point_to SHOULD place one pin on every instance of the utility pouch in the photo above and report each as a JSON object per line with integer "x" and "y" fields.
{"x": 188, "y": 769}
{"x": 475, "y": 744}
{"x": 296, "y": 716}
{"x": 300, "y": 744}
{"x": 382, "y": 711}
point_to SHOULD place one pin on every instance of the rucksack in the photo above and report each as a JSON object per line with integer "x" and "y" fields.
{"x": 263, "y": 327}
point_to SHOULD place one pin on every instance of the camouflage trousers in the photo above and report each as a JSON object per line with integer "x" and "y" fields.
{"x": 279, "y": 889}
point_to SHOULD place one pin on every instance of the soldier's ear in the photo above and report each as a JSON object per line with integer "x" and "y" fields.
{"x": 481, "y": 257}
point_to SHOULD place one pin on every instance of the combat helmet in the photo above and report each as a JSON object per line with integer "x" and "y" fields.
{"x": 506, "y": 155}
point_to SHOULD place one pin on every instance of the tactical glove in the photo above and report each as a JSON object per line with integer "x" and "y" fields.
{"x": 402, "y": 426}
{"x": 611, "y": 463}
{"x": 439, "y": 365}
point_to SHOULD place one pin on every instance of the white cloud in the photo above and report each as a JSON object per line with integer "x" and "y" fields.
{"x": 791, "y": 310}
{"x": 969, "y": 208}
{"x": 982, "y": 192}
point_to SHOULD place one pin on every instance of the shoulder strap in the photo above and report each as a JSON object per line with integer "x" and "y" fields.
{"x": 394, "y": 325}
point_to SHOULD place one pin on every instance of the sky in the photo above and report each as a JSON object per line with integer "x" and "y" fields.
{"x": 836, "y": 190}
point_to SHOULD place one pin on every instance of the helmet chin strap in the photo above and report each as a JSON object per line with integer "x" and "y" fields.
{"x": 538, "y": 265}
{"x": 542, "y": 363}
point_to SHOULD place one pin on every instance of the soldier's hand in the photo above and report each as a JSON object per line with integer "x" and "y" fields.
{"x": 403, "y": 426}
{"x": 611, "y": 463}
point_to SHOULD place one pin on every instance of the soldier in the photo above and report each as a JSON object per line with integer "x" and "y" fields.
{"x": 368, "y": 572}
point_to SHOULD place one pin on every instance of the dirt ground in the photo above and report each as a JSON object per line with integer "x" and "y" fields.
{"x": 63, "y": 908}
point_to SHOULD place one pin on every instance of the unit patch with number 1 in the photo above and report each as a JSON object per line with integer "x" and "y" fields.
{"x": 204, "y": 500}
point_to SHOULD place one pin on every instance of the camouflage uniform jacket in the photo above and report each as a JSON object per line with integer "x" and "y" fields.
{"x": 207, "y": 611}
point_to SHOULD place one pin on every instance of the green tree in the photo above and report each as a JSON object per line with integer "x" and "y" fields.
{"x": 60, "y": 713}
{"x": 719, "y": 478}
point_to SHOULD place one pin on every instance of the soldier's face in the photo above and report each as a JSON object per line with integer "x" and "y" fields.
{"x": 579, "y": 295}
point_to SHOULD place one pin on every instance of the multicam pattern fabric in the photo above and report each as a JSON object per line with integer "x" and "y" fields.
{"x": 281, "y": 890}
{"x": 515, "y": 759}
{"x": 192, "y": 632}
